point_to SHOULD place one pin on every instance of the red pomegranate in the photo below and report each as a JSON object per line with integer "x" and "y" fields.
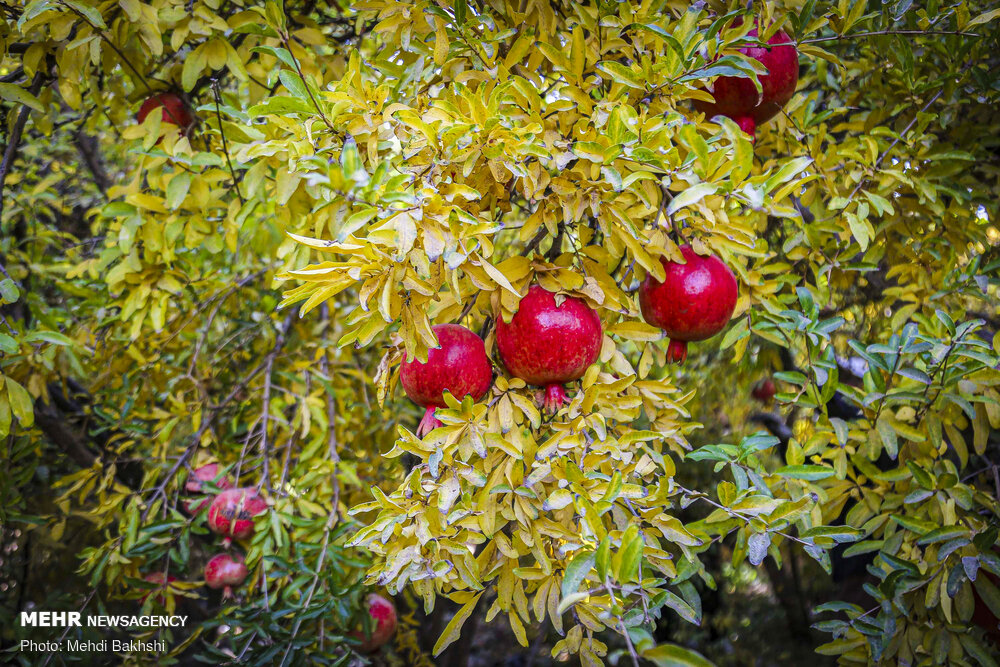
{"x": 383, "y": 614}
{"x": 459, "y": 365}
{"x": 225, "y": 571}
{"x": 546, "y": 345}
{"x": 196, "y": 482}
{"x": 694, "y": 302}
{"x": 737, "y": 97}
{"x": 157, "y": 578}
{"x": 232, "y": 513}
{"x": 175, "y": 110}
{"x": 764, "y": 390}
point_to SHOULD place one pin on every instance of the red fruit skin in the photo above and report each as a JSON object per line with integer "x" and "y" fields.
{"x": 196, "y": 482}
{"x": 546, "y": 345}
{"x": 225, "y": 571}
{"x": 207, "y": 473}
{"x": 738, "y": 99}
{"x": 459, "y": 365}
{"x": 174, "y": 109}
{"x": 694, "y": 302}
{"x": 764, "y": 390}
{"x": 232, "y": 513}
{"x": 383, "y": 614}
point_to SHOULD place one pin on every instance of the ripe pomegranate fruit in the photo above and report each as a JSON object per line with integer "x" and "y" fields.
{"x": 196, "y": 482}
{"x": 174, "y": 109}
{"x": 225, "y": 571}
{"x": 764, "y": 390}
{"x": 232, "y": 513}
{"x": 459, "y": 365}
{"x": 737, "y": 97}
{"x": 547, "y": 345}
{"x": 694, "y": 302}
{"x": 157, "y": 578}
{"x": 383, "y": 614}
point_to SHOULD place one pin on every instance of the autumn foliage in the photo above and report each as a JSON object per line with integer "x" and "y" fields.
{"x": 363, "y": 314}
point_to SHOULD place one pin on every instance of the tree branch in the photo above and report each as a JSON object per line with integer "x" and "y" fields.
{"x": 14, "y": 138}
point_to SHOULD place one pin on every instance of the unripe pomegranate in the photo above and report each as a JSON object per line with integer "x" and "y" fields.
{"x": 459, "y": 365}
{"x": 546, "y": 345}
{"x": 196, "y": 482}
{"x": 225, "y": 571}
{"x": 174, "y": 109}
{"x": 383, "y": 614}
{"x": 737, "y": 97}
{"x": 232, "y": 513}
{"x": 694, "y": 302}
{"x": 764, "y": 390}
{"x": 157, "y": 578}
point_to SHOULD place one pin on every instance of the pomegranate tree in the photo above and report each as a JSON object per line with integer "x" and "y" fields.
{"x": 232, "y": 513}
{"x": 694, "y": 301}
{"x": 173, "y": 108}
{"x": 225, "y": 571}
{"x": 737, "y": 97}
{"x": 383, "y": 615}
{"x": 196, "y": 484}
{"x": 547, "y": 345}
{"x": 458, "y": 365}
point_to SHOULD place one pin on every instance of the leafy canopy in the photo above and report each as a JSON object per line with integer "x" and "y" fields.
{"x": 391, "y": 165}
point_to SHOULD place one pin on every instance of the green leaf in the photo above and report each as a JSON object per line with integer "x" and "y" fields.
{"x": 18, "y": 95}
{"x": 20, "y": 402}
{"x": 888, "y": 434}
{"x": 807, "y": 472}
{"x": 692, "y": 195}
{"x": 736, "y": 333}
{"x": 943, "y": 534}
{"x": 557, "y": 500}
{"x": 788, "y": 171}
{"x": 631, "y": 555}
{"x": 53, "y": 337}
{"x": 9, "y": 291}
{"x": 91, "y": 13}
{"x": 839, "y": 534}
{"x": 983, "y": 18}
{"x": 177, "y": 189}
{"x": 7, "y": 344}
{"x": 621, "y": 74}
{"x": 603, "y": 558}
{"x": 683, "y": 609}
{"x": 576, "y": 571}
{"x": 672, "y": 655}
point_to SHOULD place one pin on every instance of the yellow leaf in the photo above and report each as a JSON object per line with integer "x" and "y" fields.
{"x": 452, "y": 631}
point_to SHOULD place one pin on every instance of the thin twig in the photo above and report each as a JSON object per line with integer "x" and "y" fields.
{"x": 14, "y": 139}
{"x": 875, "y": 33}
{"x": 628, "y": 643}
{"x": 225, "y": 144}
{"x": 298, "y": 69}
